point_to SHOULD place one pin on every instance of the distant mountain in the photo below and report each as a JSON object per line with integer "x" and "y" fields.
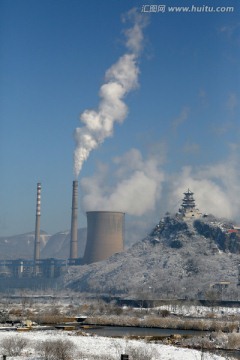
{"x": 57, "y": 245}
{"x": 181, "y": 257}
{"x": 21, "y": 246}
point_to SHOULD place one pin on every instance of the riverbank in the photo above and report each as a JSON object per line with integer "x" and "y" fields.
{"x": 168, "y": 322}
{"x": 216, "y": 327}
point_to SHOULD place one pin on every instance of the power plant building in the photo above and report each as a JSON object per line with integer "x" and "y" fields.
{"x": 105, "y": 237}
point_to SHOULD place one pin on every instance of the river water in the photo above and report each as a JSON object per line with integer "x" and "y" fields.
{"x": 137, "y": 331}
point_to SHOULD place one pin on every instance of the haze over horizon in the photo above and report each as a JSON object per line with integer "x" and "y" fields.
{"x": 181, "y": 129}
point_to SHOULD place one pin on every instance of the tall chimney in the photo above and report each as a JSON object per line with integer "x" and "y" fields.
{"x": 74, "y": 223}
{"x": 37, "y": 224}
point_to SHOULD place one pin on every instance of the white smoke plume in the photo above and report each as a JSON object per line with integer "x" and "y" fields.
{"x": 142, "y": 187}
{"x": 121, "y": 78}
{"x": 136, "y": 189}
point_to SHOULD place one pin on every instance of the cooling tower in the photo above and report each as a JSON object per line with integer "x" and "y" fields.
{"x": 105, "y": 235}
{"x": 74, "y": 223}
{"x": 37, "y": 224}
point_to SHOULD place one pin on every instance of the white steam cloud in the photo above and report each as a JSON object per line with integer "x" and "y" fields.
{"x": 145, "y": 190}
{"x": 136, "y": 189}
{"x": 216, "y": 187}
{"x": 121, "y": 78}
{"x": 142, "y": 187}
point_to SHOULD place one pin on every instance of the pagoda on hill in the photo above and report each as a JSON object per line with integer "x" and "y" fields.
{"x": 188, "y": 202}
{"x": 188, "y": 207}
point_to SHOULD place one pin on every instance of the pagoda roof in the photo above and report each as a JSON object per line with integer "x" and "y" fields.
{"x": 188, "y": 192}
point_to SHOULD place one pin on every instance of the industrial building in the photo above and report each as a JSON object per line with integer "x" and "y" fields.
{"x": 24, "y": 268}
{"x": 105, "y": 236}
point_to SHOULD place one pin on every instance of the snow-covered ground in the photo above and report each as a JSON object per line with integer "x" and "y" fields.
{"x": 200, "y": 311}
{"x": 91, "y": 346}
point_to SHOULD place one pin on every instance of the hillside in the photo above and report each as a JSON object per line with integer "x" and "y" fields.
{"x": 57, "y": 245}
{"x": 21, "y": 246}
{"x": 181, "y": 257}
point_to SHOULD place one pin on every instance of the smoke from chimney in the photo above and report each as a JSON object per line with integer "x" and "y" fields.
{"x": 131, "y": 183}
{"x": 121, "y": 78}
{"x": 37, "y": 224}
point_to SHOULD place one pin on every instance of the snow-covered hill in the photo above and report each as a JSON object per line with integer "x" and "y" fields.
{"x": 181, "y": 257}
{"x": 58, "y": 245}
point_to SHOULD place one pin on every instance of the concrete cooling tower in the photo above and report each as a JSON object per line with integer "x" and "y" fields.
{"x": 105, "y": 235}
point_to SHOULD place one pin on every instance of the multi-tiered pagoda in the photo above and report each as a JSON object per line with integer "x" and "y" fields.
{"x": 188, "y": 207}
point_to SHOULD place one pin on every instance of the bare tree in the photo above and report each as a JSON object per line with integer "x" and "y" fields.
{"x": 13, "y": 346}
{"x": 56, "y": 349}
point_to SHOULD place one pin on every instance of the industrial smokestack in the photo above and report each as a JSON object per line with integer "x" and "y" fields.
{"x": 37, "y": 224}
{"x": 105, "y": 235}
{"x": 74, "y": 223}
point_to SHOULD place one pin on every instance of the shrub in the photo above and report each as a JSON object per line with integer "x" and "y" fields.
{"x": 234, "y": 341}
{"x": 3, "y": 316}
{"x": 16, "y": 312}
{"x": 45, "y": 349}
{"x": 164, "y": 312}
{"x": 48, "y": 319}
{"x": 176, "y": 244}
{"x": 139, "y": 353}
{"x": 56, "y": 349}
{"x": 117, "y": 310}
{"x": 13, "y": 346}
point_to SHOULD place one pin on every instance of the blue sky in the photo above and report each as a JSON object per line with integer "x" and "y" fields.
{"x": 182, "y": 128}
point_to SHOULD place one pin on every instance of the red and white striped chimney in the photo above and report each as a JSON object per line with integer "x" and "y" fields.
{"x": 37, "y": 224}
